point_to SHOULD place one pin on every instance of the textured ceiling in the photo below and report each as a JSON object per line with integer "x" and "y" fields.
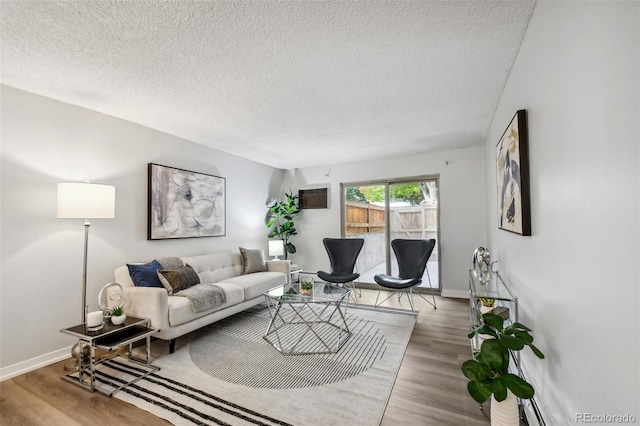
{"x": 289, "y": 84}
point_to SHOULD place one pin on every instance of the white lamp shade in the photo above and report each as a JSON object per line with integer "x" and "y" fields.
{"x": 276, "y": 248}
{"x": 86, "y": 201}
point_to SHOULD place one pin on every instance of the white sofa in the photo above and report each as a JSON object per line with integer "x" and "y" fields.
{"x": 174, "y": 316}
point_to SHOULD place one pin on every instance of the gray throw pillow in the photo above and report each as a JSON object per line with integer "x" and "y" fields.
{"x": 175, "y": 280}
{"x": 253, "y": 260}
{"x": 170, "y": 262}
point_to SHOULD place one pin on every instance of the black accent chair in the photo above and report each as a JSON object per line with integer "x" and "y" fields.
{"x": 412, "y": 256}
{"x": 343, "y": 253}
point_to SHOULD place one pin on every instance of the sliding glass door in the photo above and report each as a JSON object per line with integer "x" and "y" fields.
{"x": 380, "y": 212}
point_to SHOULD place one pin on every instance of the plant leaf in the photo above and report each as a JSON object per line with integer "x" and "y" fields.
{"x": 523, "y": 335}
{"x": 537, "y": 352}
{"x": 475, "y": 371}
{"x": 511, "y": 342}
{"x": 517, "y": 325}
{"x": 480, "y": 391}
{"x": 519, "y": 387}
{"x": 483, "y": 329}
{"x": 499, "y": 390}
{"x": 493, "y": 354}
{"x": 494, "y": 321}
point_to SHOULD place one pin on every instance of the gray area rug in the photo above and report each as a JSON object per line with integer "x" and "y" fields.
{"x": 226, "y": 373}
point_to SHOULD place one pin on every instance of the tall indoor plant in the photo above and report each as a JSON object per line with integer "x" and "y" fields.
{"x": 488, "y": 372}
{"x": 280, "y": 221}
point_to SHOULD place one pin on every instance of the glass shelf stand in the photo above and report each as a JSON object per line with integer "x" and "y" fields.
{"x": 492, "y": 287}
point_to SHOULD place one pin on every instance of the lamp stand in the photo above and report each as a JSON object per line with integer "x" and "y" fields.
{"x": 74, "y": 363}
{"x": 85, "y": 308}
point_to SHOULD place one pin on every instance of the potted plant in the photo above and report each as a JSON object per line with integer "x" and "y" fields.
{"x": 117, "y": 315}
{"x": 488, "y": 372}
{"x": 281, "y": 214}
{"x": 487, "y": 304}
{"x": 306, "y": 288}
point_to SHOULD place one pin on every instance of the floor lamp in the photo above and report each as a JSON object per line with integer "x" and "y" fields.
{"x": 85, "y": 201}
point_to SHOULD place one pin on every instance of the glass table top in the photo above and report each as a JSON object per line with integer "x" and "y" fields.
{"x": 320, "y": 292}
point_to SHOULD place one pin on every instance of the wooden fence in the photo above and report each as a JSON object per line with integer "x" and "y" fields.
{"x": 364, "y": 220}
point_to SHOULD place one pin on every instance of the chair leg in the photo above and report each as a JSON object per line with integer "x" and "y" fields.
{"x": 433, "y": 298}
{"x": 428, "y": 301}
{"x": 354, "y": 288}
{"x": 430, "y": 289}
{"x": 409, "y": 292}
{"x": 410, "y": 299}
{"x": 376, "y": 304}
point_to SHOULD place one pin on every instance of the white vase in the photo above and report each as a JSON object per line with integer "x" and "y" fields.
{"x": 119, "y": 319}
{"x": 485, "y": 309}
{"x": 95, "y": 320}
{"x": 505, "y": 413}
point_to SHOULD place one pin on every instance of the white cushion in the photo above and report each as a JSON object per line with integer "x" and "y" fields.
{"x": 213, "y": 268}
{"x": 256, "y": 284}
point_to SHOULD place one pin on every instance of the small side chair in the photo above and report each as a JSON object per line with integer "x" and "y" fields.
{"x": 343, "y": 254}
{"x": 412, "y": 256}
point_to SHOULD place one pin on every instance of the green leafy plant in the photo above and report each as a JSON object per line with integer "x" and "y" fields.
{"x": 487, "y": 302}
{"x": 306, "y": 288}
{"x": 488, "y": 372}
{"x": 281, "y": 214}
{"x": 117, "y": 311}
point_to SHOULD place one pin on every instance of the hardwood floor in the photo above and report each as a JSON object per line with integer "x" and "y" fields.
{"x": 430, "y": 388}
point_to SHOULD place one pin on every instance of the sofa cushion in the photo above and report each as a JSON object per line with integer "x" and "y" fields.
{"x": 145, "y": 275}
{"x": 175, "y": 280}
{"x": 213, "y": 268}
{"x": 256, "y": 284}
{"x": 170, "y": 262}
{"x": 180, "y": 309}
{"x": 253, "y": 260}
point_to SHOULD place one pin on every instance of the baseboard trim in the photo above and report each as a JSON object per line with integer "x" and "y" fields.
{"x": 456, "y": 294}
{"x": 34, "y": 363}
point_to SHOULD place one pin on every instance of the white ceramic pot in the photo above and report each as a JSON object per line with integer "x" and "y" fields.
{"x": 119, "y": 319}
{"x": 505, "y": 413}
{"x": 485, "y": 309}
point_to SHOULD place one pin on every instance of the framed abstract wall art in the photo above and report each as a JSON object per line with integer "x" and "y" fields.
{"x": 512, "y": 163}
{"x": 184, "y": 204}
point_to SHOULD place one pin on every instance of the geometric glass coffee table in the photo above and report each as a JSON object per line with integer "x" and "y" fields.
{"x": 307, "y": 324}
{"x": 109, "y": 338}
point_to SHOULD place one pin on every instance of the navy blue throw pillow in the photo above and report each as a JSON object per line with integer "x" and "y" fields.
{"x": 145, "y": 275}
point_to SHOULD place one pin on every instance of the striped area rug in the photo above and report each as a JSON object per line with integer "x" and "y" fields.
{"x": 239, "y": 341}
{"x": 227, "y": 374}
{"x": 182, "y": 404}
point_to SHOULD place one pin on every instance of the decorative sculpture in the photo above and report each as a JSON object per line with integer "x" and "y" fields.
{"x": 482, "y": 265}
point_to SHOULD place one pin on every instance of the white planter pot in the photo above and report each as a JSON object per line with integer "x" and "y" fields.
{"x": 119, "y": 319}
{"x": 485, "y": 309}
{"x": 505, "y": 413}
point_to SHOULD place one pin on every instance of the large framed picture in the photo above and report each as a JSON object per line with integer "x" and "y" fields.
{"x": 512, "y": 164}
{"x": 184, "y": 204}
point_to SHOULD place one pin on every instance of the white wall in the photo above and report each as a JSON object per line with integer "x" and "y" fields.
{"x": 45, "y": 142}
{"x": 577, "y": 74}
{"x": 462, "y": 207}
